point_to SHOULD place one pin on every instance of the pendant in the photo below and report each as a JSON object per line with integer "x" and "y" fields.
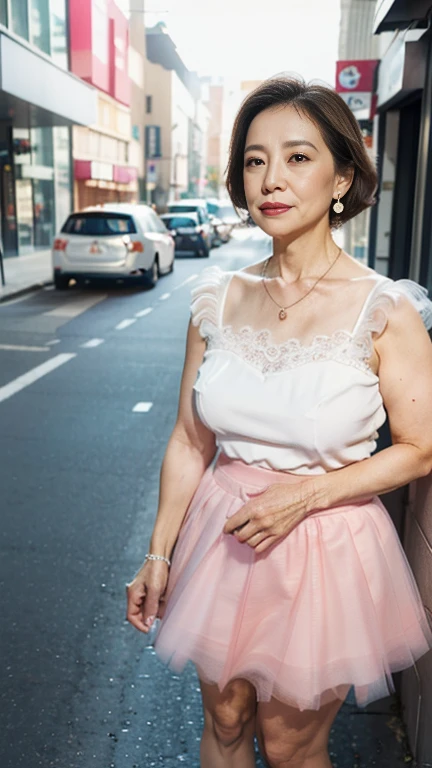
{"x": 338, "y": 207}
{"x": 282, "y": 314}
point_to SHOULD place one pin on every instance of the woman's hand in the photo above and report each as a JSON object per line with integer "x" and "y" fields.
{"x": 145, "y": 593}
{"x": 270, "y": 516}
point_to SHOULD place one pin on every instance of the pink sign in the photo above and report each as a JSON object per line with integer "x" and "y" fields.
{"x": 99, "y": 42}
{"x": 357, "y": 75}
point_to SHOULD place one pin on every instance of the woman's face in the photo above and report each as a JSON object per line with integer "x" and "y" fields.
{"x": 287, "y": 162}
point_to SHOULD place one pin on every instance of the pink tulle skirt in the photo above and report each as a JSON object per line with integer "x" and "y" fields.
{"x": 333, "y": 605}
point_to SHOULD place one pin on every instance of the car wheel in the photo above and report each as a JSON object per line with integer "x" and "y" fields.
{"x": 61, "y": 282}
{"x": 153, "y": 273}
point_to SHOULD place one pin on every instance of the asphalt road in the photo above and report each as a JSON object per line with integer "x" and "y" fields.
{"x": 78, "y": 491}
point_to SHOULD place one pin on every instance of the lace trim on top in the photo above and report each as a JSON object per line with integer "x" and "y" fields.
{"x": 259, "y": 349}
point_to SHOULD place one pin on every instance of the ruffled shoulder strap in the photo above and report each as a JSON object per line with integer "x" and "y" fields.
{"x": 207, "y": 298}
{"x": 384, "y": 296}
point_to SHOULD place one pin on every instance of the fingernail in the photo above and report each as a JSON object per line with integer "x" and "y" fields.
{"x": 149, "y": 621}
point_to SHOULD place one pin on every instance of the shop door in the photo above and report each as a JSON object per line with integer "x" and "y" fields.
{"x": 7, "y": 192}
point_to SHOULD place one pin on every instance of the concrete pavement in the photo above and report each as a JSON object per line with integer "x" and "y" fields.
{"x": 25, "y": 273}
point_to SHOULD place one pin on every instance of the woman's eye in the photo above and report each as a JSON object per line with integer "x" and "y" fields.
{"x": 253, "y": 161}
{"x": 299, "y": 158}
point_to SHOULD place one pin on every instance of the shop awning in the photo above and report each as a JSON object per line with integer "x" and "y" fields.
{"x": 35, "y": 91}
{"x": 398, "y": 14}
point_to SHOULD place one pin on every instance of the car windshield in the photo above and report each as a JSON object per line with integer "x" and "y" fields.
{"x": 226, "y": 210}
{"x": 212, "y": 208}
{"x": 184, "y": 208}
{"x": 176, "y": 222}
{"x": 100, "y": 224}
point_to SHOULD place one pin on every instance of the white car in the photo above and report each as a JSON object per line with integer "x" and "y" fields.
{"x": 117, "y": 241}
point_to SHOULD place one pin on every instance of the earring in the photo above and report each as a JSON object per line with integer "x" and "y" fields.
{"x": 338, "y": 207}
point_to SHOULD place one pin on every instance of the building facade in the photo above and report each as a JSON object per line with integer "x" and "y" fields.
{"x": 99, "y": 54}
{"x": 40, "y": 100}
{"x": 400, "y": 246}
{"x": 357, "y": 42}
{"x": 176, "y": 123}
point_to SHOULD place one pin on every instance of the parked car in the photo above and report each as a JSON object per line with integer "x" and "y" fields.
{"x": 199, "y": 207}
{"x": 188, "y": 233}
{"x": 113, "y": 241}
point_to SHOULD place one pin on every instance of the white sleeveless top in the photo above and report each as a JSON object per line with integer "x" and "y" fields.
{"x": 305, "y": 409}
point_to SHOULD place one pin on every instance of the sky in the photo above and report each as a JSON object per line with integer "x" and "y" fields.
{"x": 243, "y": 40}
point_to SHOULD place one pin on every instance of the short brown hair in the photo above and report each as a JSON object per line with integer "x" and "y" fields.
{"x": 339, "y": 129}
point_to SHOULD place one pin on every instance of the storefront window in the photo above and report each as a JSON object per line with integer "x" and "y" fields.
{"x": 43, "y": 202}
{"x": 24, "y": 205}
{"x": 3, "y": 13}
{"x": 62, "y": 176}
{"x": 42, "y": 146}
{"x": 39, "y": 24}
{"x": 19, "y": 18}
{"x": 59, "y": 33}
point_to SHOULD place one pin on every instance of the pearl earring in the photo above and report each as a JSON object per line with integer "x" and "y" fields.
{"x": 338, "y": 207}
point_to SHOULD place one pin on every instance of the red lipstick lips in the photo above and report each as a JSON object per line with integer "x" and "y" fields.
{"x": 274, "y": 209}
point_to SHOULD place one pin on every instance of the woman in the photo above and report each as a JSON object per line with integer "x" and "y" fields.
{"x": 288, "y": 583}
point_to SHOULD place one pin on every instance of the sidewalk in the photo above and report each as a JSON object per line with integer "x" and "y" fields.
{"x": 25, "y": 273}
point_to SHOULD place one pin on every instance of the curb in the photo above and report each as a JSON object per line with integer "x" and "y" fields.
{"x": 22, "y": 291}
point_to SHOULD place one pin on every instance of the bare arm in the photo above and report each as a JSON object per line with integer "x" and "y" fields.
{"x": 190, "y": 450}
{"x": 405, "y": 371}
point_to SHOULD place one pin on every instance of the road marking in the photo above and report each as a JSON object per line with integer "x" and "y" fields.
{"x": 92, "y": 343}
{"x": 164, "y": 296}
{"x": 20, "y": 348}
{"x": 54, "y": 341}
{"x": 142, "y": 407}
{"x": 31, "y": 376}
{"x": 125, "y": 323}
{"x": 185, "y": 282}
{"x": 75, "y": 307}
{"x": 144, "y": 312}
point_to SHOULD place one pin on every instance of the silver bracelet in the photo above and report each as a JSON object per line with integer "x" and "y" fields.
{"x": 158, "y": 557}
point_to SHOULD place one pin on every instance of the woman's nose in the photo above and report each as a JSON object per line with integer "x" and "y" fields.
{"x": 274, "y": 179}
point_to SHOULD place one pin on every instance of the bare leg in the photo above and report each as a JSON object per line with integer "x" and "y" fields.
{"x": 289, "y": 738}
{"x": 229, "y": 725}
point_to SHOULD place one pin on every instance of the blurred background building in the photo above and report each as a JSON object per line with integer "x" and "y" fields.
{"x": 176, "y": 123}
{"x": 40, "y": 99}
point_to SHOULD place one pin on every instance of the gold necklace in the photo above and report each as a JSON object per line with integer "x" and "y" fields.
{"x": 282, "y": 312}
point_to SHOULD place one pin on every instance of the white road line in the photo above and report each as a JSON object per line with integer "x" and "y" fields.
{"x": 164, "y": 296}
{"x": 75, "y": 307}
{"x": 31, "y": 376}
{"x": 142, "y": 407}
{"x": 54, "y": 341}
{"x": 144, "y": 312}
{"x": 92, "y": 343}
{"x": 20, "y": 348}
{"x": 125, "y": 323}
{"x": 185, "y": 282}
